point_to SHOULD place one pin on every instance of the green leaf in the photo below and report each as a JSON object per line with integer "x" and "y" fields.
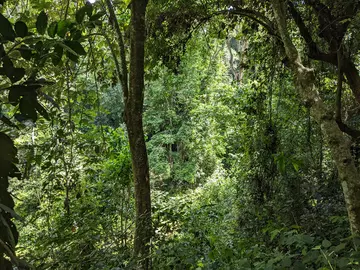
{"x": 7, "y": 121}
{"x": 16, "y": 91}
{"x": 307, "y": 239}
{"x": 343, "y": 263}
{"x": 14, "y": 97}
{"x": 88, "y": 8}
{"x": 2, "y": 51}
{"x": 76, "y": 35}
{"x": 62, "y": 28}
{"x": 57, "y": 55}
{"x": 80, "y": 15}
{"x": 27, "y": 108}
{"x": 76, "y": 47}
{"x": 97, "y": 16}
{"x": 21, "y": 29}
{"x": 286, "y": 262}
{"x": 274, "y": 233}
{"x": 41, "y": 110}
{"x": 340, "y": 247}
{"x": 8, "y": 66}
{"x": 72, "y": 57}
{"x": 25, "y": 52}
{"x": 326, "y": 243}
{"x": 6, "y": 29}
{"x": 295, "y": 165}
{"x": 17, "y": 75}
{"x": 10, "y": 211}
{"x": 39, "y": 46}
{"x": 14, "y": 74}
{"x": 41, "y": 23}
{"x": 52, "y": 30}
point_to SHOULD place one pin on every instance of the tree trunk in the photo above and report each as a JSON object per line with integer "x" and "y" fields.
{"x": 134, "y": 99}
{"x": 338, "y": 142}
{"x": 133, "y": 115}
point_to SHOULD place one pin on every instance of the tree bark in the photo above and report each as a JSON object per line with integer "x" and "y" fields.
{"x": 134, "y": 99}
{"x": 133, "y": 114}
{"x": 338, "y": 142}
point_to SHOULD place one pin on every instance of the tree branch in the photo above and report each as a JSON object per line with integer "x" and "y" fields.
{"x": 254, "y": 15}
{"x": 124, "y": 70}
{"x": 339, "y": 89}
{"x": 290, "y": 49}
{"x": 343, "y": 127}
{"x": 348, "y": 67}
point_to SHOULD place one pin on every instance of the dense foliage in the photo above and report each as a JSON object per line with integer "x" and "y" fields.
{"x": 243, "y": 174}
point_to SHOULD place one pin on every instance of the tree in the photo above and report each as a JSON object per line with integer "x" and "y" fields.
{"x": 134, "y": 99}
{"x": 331, "y": 125}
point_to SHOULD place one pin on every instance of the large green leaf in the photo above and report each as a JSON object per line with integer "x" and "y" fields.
{"x": 25, "y": 51}
{"x": 21, "y": 29}
{"x": 41, "y": 110}
{"x": 6, "y": 29}
{"x": 10, "y": 211}
{"x": 42, "y": 22}
{"x": 97, "y": 16}
{"x": 27, "y": 108}
{"x": 14, "y": 74}
{"x": 76, "y": 47}
{"x": 57, "y": 55}
{"x": 17, "y": 74}
{"x": 72, "y": 57}
{"x": 8, "y": 66}
{"x": 62, "y": 28}
{"x": 7, "y": 121}
{"x": 88, "y": 8}
{"x": 2, "y": 51}
{"x": 80, "y": 14}
{"x": 17, "y": 91}
{"x": 52, "y": 30}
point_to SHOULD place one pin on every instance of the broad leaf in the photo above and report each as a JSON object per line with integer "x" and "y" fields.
{"x": 10, "y": 211}
{"x": 41, "y": 23}
{"x": 25, "y": 52}
{"x": 16, "y": 91}
{"x": 88, "y": 8}
{"x": 97, "y": 16}
{"x": 41, "y": 110}
{"x": 6, "y": 29}
{"x": 72, "y": 57}
{"x": 7, "y": 121}
{"x": 326, "y": 243}
{"x": 80, "y": 15}
{"x": 17, "y": 74}
{"x": 62, "y": 28}
{"x": 21, "y": 29}
{"x": 27, "y": 108}
{"x": 57, "y": 55}
{"x": 52, "y": 30}
{"x": 76, "y": 47}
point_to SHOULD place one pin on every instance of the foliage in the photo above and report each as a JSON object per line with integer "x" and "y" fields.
{"x": 241, "y": 174}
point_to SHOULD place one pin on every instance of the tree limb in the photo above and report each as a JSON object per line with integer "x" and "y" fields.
{"x": 348, "y": 67}
{"x": 343, "y": 127}
{"x": 254, "y": 15}
{"x": 124, "y": 70}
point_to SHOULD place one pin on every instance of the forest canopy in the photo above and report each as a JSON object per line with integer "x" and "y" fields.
{"x": 188, "y": 134}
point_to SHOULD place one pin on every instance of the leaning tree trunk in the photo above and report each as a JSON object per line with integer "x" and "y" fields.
{"x": 133, "y": 113}
{"x": 338, "y": 142}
